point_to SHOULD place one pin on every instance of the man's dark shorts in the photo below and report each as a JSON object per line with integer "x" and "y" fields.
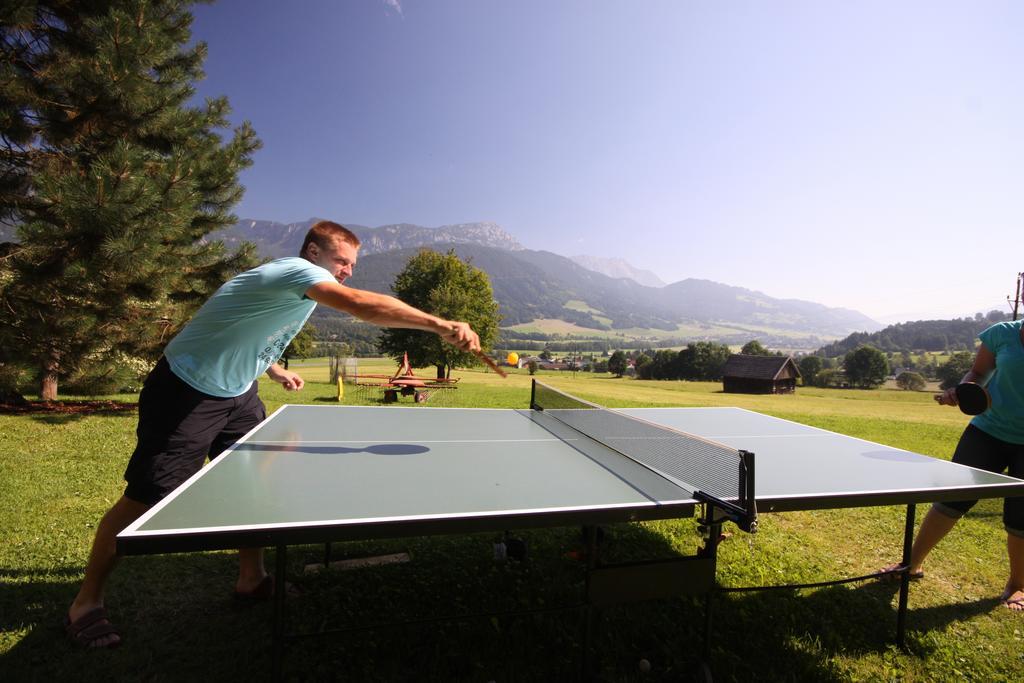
{"x": 179, "y": 427}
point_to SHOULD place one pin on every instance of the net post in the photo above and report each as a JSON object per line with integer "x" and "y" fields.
{"x": 533, "y": 395}
{"x": 746, "y": 490}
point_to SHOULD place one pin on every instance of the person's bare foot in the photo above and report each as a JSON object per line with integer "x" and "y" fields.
{"x": 1013, "y": 598}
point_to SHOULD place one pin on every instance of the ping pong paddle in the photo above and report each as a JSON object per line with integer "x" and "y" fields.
{"x": 972, "y": 398}
{"x": 490, "y": 363}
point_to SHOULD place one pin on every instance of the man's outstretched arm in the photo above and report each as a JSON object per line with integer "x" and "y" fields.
{"x": 387, "y": 311}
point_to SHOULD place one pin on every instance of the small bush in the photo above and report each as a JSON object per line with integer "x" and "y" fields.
{"x": 910, "y": 381}
{"x": 14, "y": 380}
{"x": 829, "y": 378}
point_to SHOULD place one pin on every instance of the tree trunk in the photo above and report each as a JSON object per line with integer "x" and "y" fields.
{"x": 48, "y": 383}
{"x": 440, "y": 371}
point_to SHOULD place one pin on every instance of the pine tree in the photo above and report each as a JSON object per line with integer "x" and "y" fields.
{"x": 112, "y": 178}
{"x": 453, "y": 289}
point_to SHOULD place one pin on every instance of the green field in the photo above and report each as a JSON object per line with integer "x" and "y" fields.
{"x": 59, "y": 472}
{"x": 788, "y": 340}
{"x": 576, "y": 305}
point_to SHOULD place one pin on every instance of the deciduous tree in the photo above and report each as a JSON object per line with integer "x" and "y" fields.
{"x": 702, "y": 361}
{"x": 453, "y": 289}
{"x": 754, "y": 348}
{"x": 301, "y": 346}
{"x": 643, "y": 365}
{"x": 865, "y": 367}
{"x": 617, "y": 364}
{"x": 953, "y": 370}
{"x": 810, "y": 366}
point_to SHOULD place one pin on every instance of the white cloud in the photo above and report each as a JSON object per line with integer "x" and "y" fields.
{"x": 396, "y": 5}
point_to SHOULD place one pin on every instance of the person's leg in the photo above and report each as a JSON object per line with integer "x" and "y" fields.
{"x": 251, "y": 571}
{"x": 103, "y": 554}
{"x": 102, "y": 560}
{"x": 1013, "y": 520}
{"x": 247, "y": 413}
{"x": 975, "y": 449}
{"x": 937, "y": 523}
{"x": 1013, "y": 595}
{"x": 175, "y": 429}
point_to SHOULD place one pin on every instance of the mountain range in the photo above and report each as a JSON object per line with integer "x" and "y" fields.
{"x": 275, "y": 240}
{"x": 617, "y": 267}
{"x": 541, "y": 292}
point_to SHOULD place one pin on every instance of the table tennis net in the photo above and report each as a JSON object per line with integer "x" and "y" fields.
{"x": 689, "y": 461}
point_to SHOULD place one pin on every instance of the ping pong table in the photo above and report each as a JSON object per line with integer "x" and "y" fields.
{"x": 316, "y": 474}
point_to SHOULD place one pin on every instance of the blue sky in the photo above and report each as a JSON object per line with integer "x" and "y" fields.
{"x": 868, "y": 155}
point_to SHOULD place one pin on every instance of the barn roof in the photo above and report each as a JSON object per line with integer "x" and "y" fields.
{"x": 757, "y": 367}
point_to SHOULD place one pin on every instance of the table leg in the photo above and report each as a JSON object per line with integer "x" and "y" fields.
{"x": 278, "y": 623}
{"x": 587, "y": 669}
{"x": 908, "y": 542}
{"x": 713, "y": 531}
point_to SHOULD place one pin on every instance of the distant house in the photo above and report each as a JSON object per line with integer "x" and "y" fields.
{"x": 553, "y": 364}
{"x": 744, "y": 374}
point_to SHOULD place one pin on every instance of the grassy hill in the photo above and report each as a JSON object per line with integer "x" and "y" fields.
{"x": 919, "y": 335}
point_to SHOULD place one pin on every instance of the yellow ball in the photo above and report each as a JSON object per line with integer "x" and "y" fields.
{"x": 513, "y": 358}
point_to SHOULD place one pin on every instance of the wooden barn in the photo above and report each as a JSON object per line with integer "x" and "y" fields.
{"x": 759, "y": 374}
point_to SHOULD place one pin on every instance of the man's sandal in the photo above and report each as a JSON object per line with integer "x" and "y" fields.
{"x": 90, "y": 627}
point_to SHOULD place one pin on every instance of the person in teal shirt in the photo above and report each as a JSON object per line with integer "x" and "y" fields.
{"x": 993, "y": 441}
{"x": 202, "y": 395}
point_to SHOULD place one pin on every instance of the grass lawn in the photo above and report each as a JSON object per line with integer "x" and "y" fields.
{"x": 60, "y": 472}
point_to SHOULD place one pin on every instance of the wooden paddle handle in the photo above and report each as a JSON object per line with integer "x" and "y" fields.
{"x": 490, "y": 363}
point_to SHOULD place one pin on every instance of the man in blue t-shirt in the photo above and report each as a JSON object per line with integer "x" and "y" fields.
{"x": 992, "y": 441}
{"x": 202, "y": 395}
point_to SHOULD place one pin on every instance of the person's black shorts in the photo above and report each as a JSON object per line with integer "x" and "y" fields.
{"x": 977, "y": 448}
{"x": 179, "y": 428}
